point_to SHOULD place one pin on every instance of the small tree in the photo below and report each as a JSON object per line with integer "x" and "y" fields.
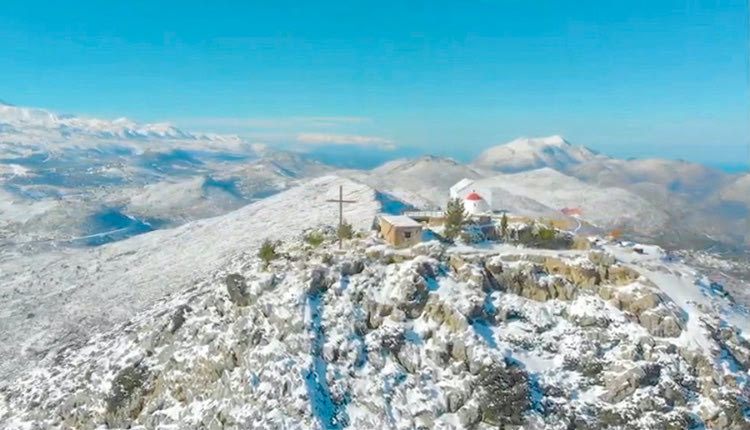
{"x": 455, "y": 218}
{"x": 346, "y": 231}
{"x": 504, "y": 225}
{"x": 267, "y": 252}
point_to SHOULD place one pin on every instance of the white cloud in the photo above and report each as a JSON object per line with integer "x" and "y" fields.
{"x": 341, "y": 139}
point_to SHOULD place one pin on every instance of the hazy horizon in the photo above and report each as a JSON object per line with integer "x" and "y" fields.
{"x": 666, "y": 80}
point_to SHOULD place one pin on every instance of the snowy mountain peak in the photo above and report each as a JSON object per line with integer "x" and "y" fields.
{"x": 555, "y": 140}
{"x": 532, "y": 153}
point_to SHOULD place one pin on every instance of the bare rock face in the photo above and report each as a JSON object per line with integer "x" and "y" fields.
{"x": 444, "y": 314}
{"x": 178, "y": 318}
{"x": 660, "y": 317}
{"x": 585, "y": 276}
{"x": 531, "y": 281}
{"x": 626, "y": 383}
{"x": 468, "y": 270}
{"x": 413, "y": 293}
{"x": 352, "y": 267}
{"x": 238, "y": 290}
{"x": 126, "y": 399}
{"x": 610, "y": 271}
{"x": 319, "y": 280}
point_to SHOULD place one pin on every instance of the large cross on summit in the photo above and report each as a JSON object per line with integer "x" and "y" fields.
{"x": 341, "y": 202}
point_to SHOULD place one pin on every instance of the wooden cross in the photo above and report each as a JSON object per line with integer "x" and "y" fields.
{"x": 341, "y": 202}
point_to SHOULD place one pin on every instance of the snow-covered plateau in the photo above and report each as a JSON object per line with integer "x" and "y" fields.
{"x": 187, "y": 328}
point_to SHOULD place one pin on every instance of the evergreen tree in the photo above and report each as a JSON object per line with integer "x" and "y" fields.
{"x": 504, "y": 225}
{"x": 267, "y": 252}
{"x": 346, "y": 231}
{"x": 455, "y": 218}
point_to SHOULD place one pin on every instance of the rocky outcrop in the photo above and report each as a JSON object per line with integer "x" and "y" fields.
{"x": 319, "y": 280}
{"x": 442, "y": 338}
{"x": 659, "y": 316}
{"x": 549, "y": 278}
{"x": 237, "y": 289}
{"x": 126, "y": 399}
{"x": 626, "y": 383}
{"x": 352, "y": 267}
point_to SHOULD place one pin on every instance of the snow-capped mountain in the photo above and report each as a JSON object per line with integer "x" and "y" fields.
{"x": 690, "y": 194}
{"x": 67, "y": 180}
{"x": 434, "y": 336}
{"x": 65, "y": 177}
{"x": 534, "y": 153}
{"x": 25, "y": 121}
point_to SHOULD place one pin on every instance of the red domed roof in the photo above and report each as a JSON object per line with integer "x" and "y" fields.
{"x": 474, "y": 196}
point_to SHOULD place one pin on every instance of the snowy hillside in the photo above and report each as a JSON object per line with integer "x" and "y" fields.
{"x": 738, "y": 190}
{"x": 430, "y": 337}
{"x": 678, "y": 177}
{"x": 423, "y": 182}
{"x": 534, "y": 153}
{"x": 57, "y": 299}
{"x": 604, "y": 207}
{"x": 181, "y": 326}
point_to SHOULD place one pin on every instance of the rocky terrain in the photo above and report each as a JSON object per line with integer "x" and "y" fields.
{"x": 437, "y": 336}
{"x": 132, "y": 295}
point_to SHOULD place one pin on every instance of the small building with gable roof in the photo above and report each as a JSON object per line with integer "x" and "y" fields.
{"x": 400, "y": 230}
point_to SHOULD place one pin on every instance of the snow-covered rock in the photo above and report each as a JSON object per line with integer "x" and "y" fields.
{"x": 453, "y": 339}
{"x": 66, "y": 294}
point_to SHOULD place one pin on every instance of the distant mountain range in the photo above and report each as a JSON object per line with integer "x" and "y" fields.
{"x": 24, "y": 121}
{"x": 62, "y": 174}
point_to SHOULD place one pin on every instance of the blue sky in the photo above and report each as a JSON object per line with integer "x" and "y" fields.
{"x": 628, "y": 78}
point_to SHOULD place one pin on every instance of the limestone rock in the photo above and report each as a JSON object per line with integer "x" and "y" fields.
{"x": 126, "y": 398}
{"x": 352, "y": 267}
{"x": 238, "y": 290}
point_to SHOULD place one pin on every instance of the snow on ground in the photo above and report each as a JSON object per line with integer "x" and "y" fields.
{"x": 600, "y": 206}
{"x": 686, "y": 287}
{"x": 60, "y": 298}
{"x": 357, "y": 338}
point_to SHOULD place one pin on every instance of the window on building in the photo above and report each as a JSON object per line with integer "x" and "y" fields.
{"x": 407, "y": 234}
